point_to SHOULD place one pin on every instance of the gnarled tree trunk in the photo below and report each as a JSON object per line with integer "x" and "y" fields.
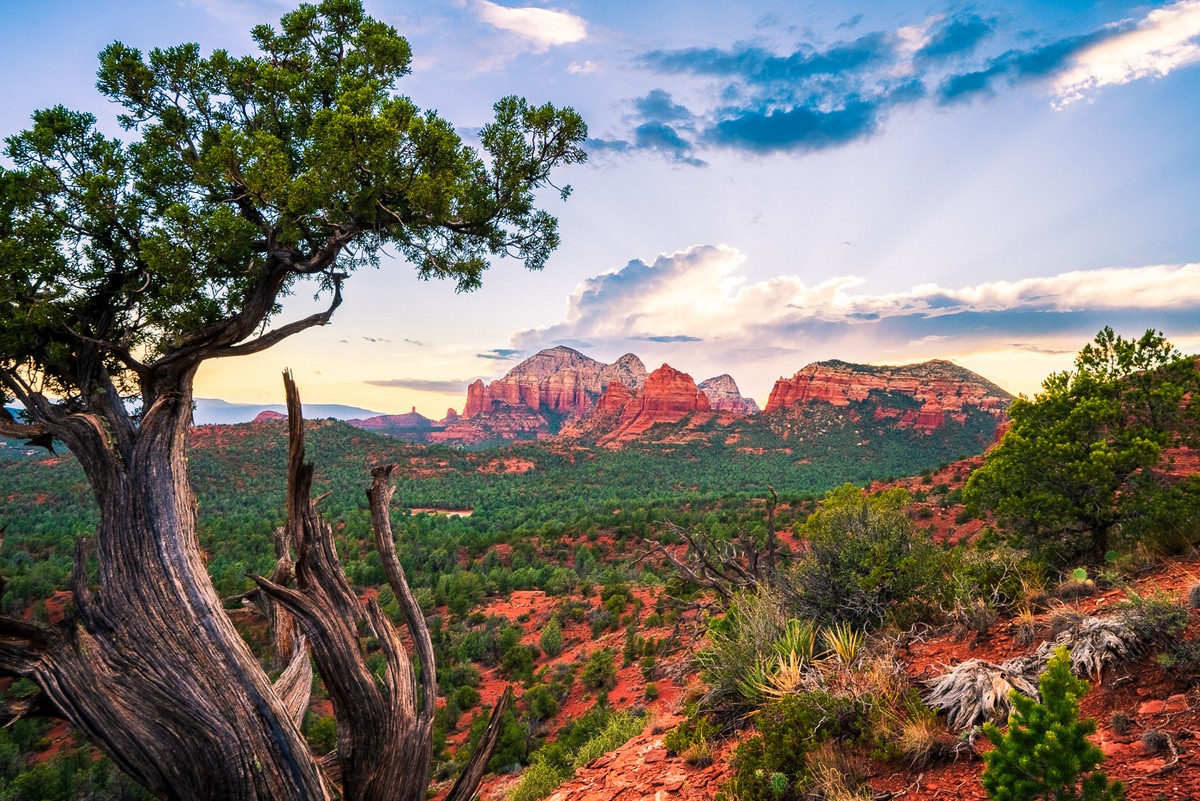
{"x": 153, "y": 672}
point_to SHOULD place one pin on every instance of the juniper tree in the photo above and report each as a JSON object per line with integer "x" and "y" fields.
{"x": 1076, "y": 463}
{"x": 124, "y": 266}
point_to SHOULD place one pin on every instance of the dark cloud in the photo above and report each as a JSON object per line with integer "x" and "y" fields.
{"x": 1017, "y": 66}
{"x": 658, "y": 105}
{"x": 665, "y": 139}
{"x": 595, "y": 145}
{"x": 668, "y": 339}
{"x": 416, "y": 342}
{"x": 808, "y": 128}
{"x": 851, "y": 23}
{"x": 810, "y": 99}
{"x": 956, "y": 36}
{"x": 757, "y": 65}
{"x": 825, "y": 95}
{"x": 452, "y": 386}
{"x": 501, "y": 354}
{"x": 796, "y": 129}
{"x": 377, "y": 339}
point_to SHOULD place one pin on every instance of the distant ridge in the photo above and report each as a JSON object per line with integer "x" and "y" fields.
{"x": 213, "y": 411}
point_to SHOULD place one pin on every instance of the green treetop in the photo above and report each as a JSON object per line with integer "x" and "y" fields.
{"x": 1075, "y": 465}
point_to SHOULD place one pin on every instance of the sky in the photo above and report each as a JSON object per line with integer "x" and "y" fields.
{"x": 769, "y": 184}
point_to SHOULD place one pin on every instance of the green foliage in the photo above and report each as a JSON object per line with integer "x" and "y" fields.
{"x": 321, "y": 732}
{"x": 738, "y": 644}
{"x": 1157, "y": 618}
{"x": 599, "y": 673}
{"x": 307, "y": 146}
{"x": 1075, "y": 465}
{"x": 865, "y": 565}
{"x": 696, "y": 728}
{"x": 541, "y": 702}
{"x": 1046, "y": 753}
{"x": 552, "y": 638}
{"x": 70, "y": 775}
{"x": 512, "y": 747}
{"x": 788, "y": 730}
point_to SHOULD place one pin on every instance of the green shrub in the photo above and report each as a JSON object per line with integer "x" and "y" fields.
{"x": 581, "y": 741}
{"x": 696, "y": 728}
{"x": 865, "y": 564}
{"x": 599, "y": 673}
{"x": 1046, "y": 753}
{"x": 1157, "y": 618}
{"x": 739, "y": 643}
{"x": 789, "y": 730}
{"x": 542, "y": 702}
{"x": 552, "y": 638}
{"x": 321, "y": 733}
{"x": 538, "y": 782}
{"x": 651, "y": 691}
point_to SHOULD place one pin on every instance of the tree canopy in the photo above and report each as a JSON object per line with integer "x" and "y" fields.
{"x": 245, "y": 175}
{"x": 1076, "y": 464}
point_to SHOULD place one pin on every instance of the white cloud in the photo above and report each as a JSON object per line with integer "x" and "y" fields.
{"x": 1166, "y": 39}
{"x": 541, "y": 28}
{"x": 586, "y": 68}
{"x": 693, "y": 306}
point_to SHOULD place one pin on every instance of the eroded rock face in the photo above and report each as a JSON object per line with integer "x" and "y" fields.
{"x": 724, "y": 395}
{"x": 944, "y": 390}
{"x": 559, "y": 380}
{"x": 267, "y": 416}
{"x": 668, "y": 396}
{"x": 383, "y": 422}
{"x": 506, "y": 424}
{"x": 553, "y": 387}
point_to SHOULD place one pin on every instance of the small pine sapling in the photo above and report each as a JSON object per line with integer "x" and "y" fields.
{"x": 1046, "y": 753}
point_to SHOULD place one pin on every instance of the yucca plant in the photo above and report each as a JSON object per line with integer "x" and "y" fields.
{"x": 976, "y": 691}
{"x": 791, "y": 675}
{"x": 798, "y": 642}
{"x": 843, "y": 642}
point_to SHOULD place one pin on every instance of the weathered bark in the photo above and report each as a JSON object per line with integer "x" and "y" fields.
{"x": 153, "y": 672}
{"x": 385, "y": 726}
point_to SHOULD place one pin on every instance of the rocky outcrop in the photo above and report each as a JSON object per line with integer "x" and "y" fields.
{"x": 668, "y": 396}
{"x": 724, "y": 395}
{"x": 550, "y": 389}
{"x": 504, "y": 424}
{"x": 941, "y": 390}
{"x": 385, "y": 422}
{"x": 560, "y": 380}
{"x": 268, "y": 416}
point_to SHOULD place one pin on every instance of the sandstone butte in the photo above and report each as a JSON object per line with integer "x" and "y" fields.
{"x": 559, "y": 380}
{"x": 668, "y": 396}
{"x": 724, "y": 396}
{"x": 944, "y": 390}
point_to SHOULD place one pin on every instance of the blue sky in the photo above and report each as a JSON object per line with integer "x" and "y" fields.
{"x": 769, "y": 183}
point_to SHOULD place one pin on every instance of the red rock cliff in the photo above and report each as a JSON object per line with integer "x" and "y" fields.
{"x": 559, "y": 380}
{"x": 945, "y": 390}
{"x": 668, "y": 396}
